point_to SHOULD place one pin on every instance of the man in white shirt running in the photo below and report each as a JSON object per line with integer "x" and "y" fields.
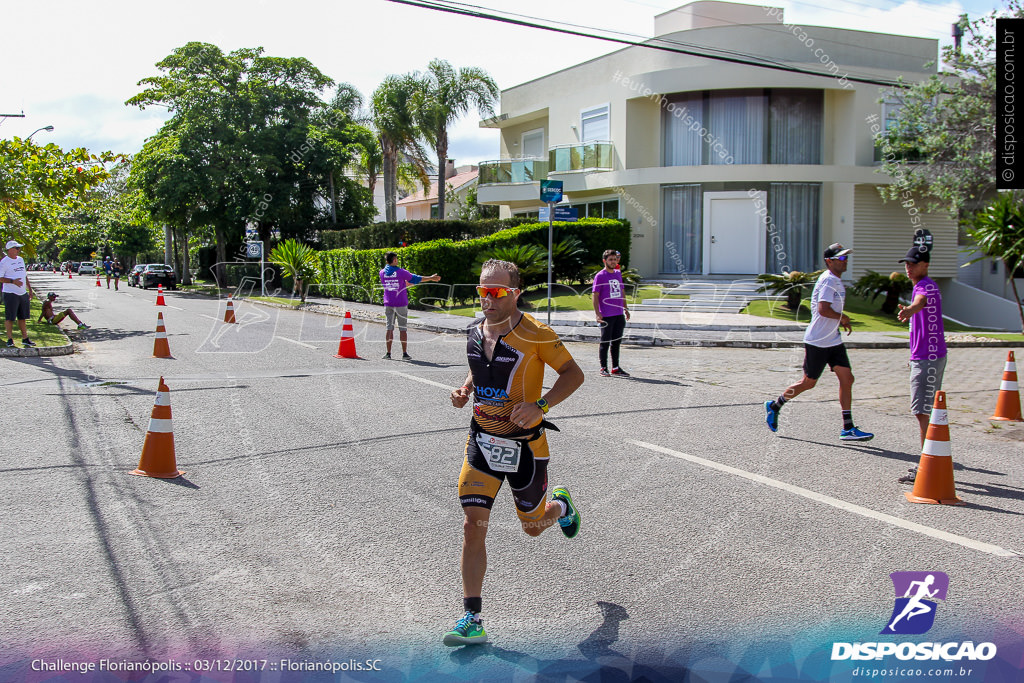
{"x": 823, "y": 345}
{"x": 16, "y": 292}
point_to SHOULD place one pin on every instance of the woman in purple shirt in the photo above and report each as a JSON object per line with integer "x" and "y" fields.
{"x": 611, "y": 311}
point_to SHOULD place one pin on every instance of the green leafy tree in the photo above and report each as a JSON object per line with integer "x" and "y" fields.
{"x": 241, "y": 145}
{"x": 792, "y": 285}
{"x": 445, "y": 95}
{"x": 871, "y": 285}
{"x": 41, "y": 184}
{"x": 298, "y": 262}
{"x": 946, "y": 125}
{"x": 469, "y": 209}
{"x": 998, "y": 231}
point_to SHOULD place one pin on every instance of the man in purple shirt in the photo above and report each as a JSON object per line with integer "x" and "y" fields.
{"x": 396, "y": 283}
{"x": 611, "y": 311}
{"x": 927, "y": 336}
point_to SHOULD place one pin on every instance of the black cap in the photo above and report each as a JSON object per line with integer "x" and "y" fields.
{"x": 917, "y": 254}
{"x": 52, "y": 295}
{"x": 836, "y": 249}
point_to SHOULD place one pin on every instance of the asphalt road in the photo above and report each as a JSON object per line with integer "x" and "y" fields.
{"x": 318, "y": 518}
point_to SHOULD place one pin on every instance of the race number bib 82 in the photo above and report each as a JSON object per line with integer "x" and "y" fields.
{"x": 502, "y": 455}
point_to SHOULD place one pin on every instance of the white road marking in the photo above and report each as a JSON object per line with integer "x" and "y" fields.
{"x": 209, "y": 316}
{"x": 308, "y": 346}
{"x": 835, "y": 502}
{"x": 420, "y": 379}
{"x": 170, "y": 306}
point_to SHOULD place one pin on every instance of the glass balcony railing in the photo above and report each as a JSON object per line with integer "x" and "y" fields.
{"x": 513, "y": 171}
{"x": 586, "y": 156}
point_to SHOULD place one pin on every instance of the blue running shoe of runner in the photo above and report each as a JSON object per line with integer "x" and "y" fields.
{"x": 573, "y": 520}
{"x": 771, "y": 416}
{"x": 469, "y": 630}
{"x": 855, "y": 435}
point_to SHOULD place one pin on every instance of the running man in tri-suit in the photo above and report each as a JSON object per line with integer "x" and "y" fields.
{"x": 507, "y": 352}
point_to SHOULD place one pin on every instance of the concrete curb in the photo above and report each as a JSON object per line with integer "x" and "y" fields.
{"x": 648, "y": 340}
{"x": 37, "y": 352}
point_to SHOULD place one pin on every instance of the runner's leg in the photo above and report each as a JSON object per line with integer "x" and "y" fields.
{"x": 474, "y": 550}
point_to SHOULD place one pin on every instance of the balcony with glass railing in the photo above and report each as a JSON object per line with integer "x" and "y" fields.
{"x": 513, "y": 171}
{"x": 587, "y": 156}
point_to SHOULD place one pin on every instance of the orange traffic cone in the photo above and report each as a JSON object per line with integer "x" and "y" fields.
{"x": 98, "y": 280}
{"x": 1008, "y": 403}
{"x": 69, "y": 274}
{"x": 934, "y": 481}
{"x": 347, "y": 345}
{"x": 229, "y": 315}
{"x": 157, "y": 458}
{"x": 160, "y": 295}
{"x": 160, "y": 347}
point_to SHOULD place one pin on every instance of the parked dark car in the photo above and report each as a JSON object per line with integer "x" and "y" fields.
{"x": 133, "y": 275}
{"x": 157, "y": 274}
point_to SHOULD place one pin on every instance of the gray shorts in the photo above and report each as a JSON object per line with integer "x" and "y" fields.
{"x": 401, "y": 312}
{"x": 925, "y": 380}
{"x": 16, "y": 306}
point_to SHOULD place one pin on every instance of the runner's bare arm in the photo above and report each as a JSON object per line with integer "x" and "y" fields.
{"x": 906, "y": 312}
{"x": 461, "y": 395}
{"x": 570, "y": 377}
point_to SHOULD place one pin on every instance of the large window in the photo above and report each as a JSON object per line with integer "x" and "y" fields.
{"x": 594, "y": 122}
{"x": 683, "y": 229}
{"x": 533, "y": 144}
{"x": 795, "y": 210}
{"x": 753, "y": 126}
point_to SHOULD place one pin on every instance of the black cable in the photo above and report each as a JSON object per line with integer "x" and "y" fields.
{"x": 437, "y": 6}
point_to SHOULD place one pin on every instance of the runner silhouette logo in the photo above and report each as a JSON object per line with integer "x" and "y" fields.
{"x": 917, "y": 595}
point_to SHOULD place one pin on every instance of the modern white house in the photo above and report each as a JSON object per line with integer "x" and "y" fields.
{"x": 748, "y": 152}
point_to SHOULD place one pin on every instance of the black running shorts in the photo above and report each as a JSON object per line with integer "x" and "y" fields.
{"x": 816, "y": 358}
{"x": 479, "y": 482}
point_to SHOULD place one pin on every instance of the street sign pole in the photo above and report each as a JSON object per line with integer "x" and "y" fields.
{"x": 551, "y": 231}
{"x": 263, "y": 284}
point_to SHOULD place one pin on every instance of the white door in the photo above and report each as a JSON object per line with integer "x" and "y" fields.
{"x": 733, "y": 239}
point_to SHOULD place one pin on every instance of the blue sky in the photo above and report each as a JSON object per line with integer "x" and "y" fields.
{"x": 75, "y": 63}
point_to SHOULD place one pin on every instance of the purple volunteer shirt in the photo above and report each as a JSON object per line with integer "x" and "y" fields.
{"x": 927, "y": 338}
{"x": 396, "y": 285}
{"x": 610, "y": 298}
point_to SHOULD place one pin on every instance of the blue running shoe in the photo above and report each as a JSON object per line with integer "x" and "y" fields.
{"x": 469, "y": 630}
{"x": 855, "y": 435}
{"x": 771, "y": 416}
{"x": 573, "y": 520}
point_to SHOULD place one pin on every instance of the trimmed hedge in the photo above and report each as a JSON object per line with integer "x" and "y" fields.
{"x": 391, "y": 235}
{"x": 354, "y": 274}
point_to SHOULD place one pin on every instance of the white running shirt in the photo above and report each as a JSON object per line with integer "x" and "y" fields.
{"x": 824, "y": 332}
{"x": 13, "y": 268}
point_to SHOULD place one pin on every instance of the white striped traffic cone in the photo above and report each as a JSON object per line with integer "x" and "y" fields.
{"x": 1008, "y": 402}
{"x": 157, "y": 458}
{"x": 934, "y": 481}
{"x": 161, "y": 349}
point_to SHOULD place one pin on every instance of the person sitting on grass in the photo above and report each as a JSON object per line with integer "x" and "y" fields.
{"x": 49, "y": 316}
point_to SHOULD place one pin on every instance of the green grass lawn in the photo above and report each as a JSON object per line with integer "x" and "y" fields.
{"x": 565, "y": 298}
{"x": 865, "y": 315}
{"x": 276, "y": 300}
{"x": 43, "y": 334}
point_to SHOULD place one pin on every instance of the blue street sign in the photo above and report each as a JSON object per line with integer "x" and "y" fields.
{"x": 551, "y": 191}
{"x": 562, "y": 213}
{"x": 254, "y": 249}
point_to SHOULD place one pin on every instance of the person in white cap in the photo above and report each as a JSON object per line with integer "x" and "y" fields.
{"x": 16, "y": 292}
{"x": 823, "y": 345}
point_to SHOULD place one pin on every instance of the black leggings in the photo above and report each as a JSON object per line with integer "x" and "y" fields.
{"x": 611, "y": 335}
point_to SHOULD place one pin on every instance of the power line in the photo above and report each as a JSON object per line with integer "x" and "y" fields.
{"x": 437, "y": 5}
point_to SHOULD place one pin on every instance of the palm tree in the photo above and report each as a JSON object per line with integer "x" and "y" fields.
{"x": 392, "y": 111}
{"x": 298, "y": 261}
{"x": 998, "y": 231}
{"x": 445, "y": 95}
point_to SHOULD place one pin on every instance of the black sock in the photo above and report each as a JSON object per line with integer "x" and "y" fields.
{"x": 847, "y": 419}
{"x": 473, "y": 605}
{"x": 779, "y": 402}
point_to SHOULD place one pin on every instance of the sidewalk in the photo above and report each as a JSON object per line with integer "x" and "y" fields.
{"x": 648, "y": 328}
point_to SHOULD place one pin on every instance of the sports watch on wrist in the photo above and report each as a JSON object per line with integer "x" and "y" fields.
{"x": 543, "y": 405}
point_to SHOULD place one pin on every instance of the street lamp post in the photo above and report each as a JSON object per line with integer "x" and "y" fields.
{"x": 48, "y": 129}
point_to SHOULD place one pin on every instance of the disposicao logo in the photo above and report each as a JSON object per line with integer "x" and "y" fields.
{"x": 917, "y": 596}
{"x": 914, "y": 611}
